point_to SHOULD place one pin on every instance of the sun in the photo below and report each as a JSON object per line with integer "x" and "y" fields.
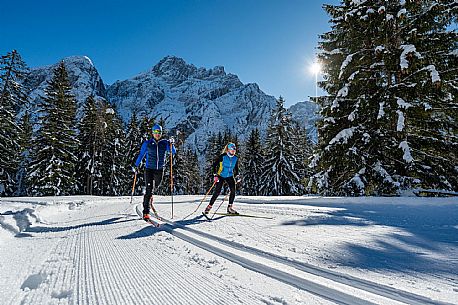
{"x": 315, "y": 68}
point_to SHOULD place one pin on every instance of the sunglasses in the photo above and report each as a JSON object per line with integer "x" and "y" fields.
{"x": 157, "y": 132}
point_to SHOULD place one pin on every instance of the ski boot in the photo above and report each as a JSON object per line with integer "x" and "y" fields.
{"x": 230, "y": 210}
{"x": 207, "y": 209}
{"x": 146, "y": 217}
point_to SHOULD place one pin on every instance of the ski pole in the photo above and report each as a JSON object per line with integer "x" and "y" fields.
{"x": 133, "y": 187}
{"x": 201, "y": 200}
{"x": 171, "y": 176}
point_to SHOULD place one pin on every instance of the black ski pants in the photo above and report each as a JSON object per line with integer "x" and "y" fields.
{"x": 219, "y": 185}
{"x": 153, "y": 178}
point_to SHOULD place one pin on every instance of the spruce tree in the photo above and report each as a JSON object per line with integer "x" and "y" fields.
{"x": 115, "y": 177}
{"x": 53, "y": 157}
{"x": 389, "y": 122}
{"x": 215, "y": 145}
{"x": 25, "y": 137}
{"x": 251, "y": 170}
{"x": 193, "y": 178}
{"x": 13, "y": 95}
{"x": 303, "y": 151}
{"x": 280, "y": 171}
{"x": 91, "y": 137}
{"x": 133, "y": 145}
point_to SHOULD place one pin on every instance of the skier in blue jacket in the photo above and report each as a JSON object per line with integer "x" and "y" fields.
{"x": 225, "y": 168}
{"x": 154, "y": 149}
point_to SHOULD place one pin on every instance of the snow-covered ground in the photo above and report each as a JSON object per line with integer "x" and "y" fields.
{"x": 307, "y": 250}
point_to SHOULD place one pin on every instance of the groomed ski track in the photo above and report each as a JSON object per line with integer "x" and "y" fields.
{"x": 102, "y": 253}
{"x": 320, "y": 290}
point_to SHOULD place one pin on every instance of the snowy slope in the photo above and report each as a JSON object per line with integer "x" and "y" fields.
{"x": 197, "y": 101}
{"x": 83, "y": 76}
{"x": 306, "y": 114}
{"x": 94, "y": 250}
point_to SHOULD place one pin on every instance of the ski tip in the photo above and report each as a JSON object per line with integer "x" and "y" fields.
{"x": 206, "y": 216}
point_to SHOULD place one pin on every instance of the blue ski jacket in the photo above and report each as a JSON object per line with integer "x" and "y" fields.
{"x": 226, "y": 166}
{"x": 155, "y": 153}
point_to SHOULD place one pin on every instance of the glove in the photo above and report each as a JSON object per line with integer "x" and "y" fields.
{"x": 215, "y": 179}
{"x": 238, "y": 179}
{"x": 172, "y": 140}
{"x": 135, "y": 169}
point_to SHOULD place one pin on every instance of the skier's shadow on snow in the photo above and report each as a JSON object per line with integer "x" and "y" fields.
{"x": 109, "y": 221}
{"x": 151, "y": 230}
{"x": 420, "y": 233}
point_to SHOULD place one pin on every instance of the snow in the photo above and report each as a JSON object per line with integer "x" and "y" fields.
{"x": 407, "y": 49}
{"x": 386, "y": 177}
{"x": 406, "y": 149}
{"x": 335, "y": 104}
{"x": 353, "y": 75}
{"x": 401, "y": 12}
{"x": 345, "y": 63}
{"x": 343, "y": 136}
{"x": 401, "y": 121}
{"x": 357, "y": 181}
{"x": 314, "y": 250}
{"x": 357, "y": 2}
{"x": 333, "y": 52}
{"x": 379, "y": 49}
{"x": 381, "y": 111}
{"x": 434, "y": 74}
{"x": 343, "y": 92}
{"x": 402, "y": 104}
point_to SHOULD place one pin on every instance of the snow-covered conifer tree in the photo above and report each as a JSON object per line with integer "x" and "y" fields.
{"x": 133, "y": 146}
{"x": 389, "y": 122}
{"x": 53, "y": 157}
{"x": 279, "y": 175}
{"x": 13, "y": 95}
{"x": 25, "y": 136}
{"x": 252, "y": 165}
{"x": 115, "y": 176}
{"x": 91, "y": 136}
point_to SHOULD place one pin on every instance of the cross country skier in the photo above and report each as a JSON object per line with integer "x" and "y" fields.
{"x": 224, "y": 169}
{"x": 154, "y": 149}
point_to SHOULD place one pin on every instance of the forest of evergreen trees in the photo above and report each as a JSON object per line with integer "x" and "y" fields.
{"x": 388, "y": 122}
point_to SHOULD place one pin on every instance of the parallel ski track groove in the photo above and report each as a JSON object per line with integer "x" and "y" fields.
{"x": 205, "y": 286}
{"x": 378, "y": 289}
{"x": 295, "y": 281}
{"x": 126, "y": 272}
{"x": 107, "y": 262}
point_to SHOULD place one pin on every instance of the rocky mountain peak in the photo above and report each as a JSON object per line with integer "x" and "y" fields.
{"x": 173, "y": 68}
{"x": 81, "y": 60}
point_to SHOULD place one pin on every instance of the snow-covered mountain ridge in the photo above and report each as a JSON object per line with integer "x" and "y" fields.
{"x": 196, "y": 101}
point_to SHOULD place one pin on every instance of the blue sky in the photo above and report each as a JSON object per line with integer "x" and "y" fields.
{"x": 269, "y": 42}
